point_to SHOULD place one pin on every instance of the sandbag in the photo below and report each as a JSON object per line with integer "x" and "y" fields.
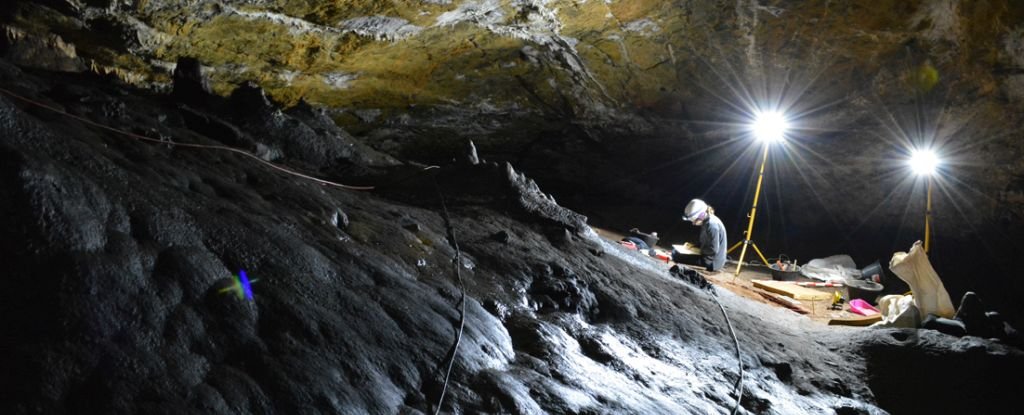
{"x": 930, "y": 295}
{"x": 898, "y": 311}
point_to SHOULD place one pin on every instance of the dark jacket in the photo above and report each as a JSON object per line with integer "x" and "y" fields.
{"x": 713, "y": 243}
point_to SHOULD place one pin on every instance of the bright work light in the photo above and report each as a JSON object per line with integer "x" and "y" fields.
{"x": 924, "y": 162}
{"x": 770, "y": 126}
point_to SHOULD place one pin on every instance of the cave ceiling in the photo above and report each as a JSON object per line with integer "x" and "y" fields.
{"x": 576, "y": 91}
{"x": 590, "y": 60}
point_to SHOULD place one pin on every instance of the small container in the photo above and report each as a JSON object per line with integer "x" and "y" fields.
{"x": 788, "y": 272}
{"x": 872, "y": 272}
{"x": 859, "y": 306}
{"x": 865, "y": 290}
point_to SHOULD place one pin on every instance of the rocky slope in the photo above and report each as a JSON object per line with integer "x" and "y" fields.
{"x": 118, "y": 251}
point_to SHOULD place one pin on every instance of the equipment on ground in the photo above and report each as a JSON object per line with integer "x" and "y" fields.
{"x": 865, "y": 289}
{"x": 837, "y": 301}
{"x": 872, "y": 272}
{"x": 785, "y": 271}
{"x": 651, "y": 239}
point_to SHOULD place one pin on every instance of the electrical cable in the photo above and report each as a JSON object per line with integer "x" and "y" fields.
{"x": 458, "y": 273}
{"x": 736, "y": 342}
{"x": 190, "y": 145}
{"x": 695, "y": 278}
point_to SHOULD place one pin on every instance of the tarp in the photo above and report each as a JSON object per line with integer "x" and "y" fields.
{"x": 836, "y": 268}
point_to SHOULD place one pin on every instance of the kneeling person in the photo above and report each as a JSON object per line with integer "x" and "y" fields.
{"x": 712, "y": 234}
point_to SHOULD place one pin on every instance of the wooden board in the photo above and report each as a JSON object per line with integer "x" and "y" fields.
{"x": 687, "y": 249}
{"x": 855, "y": 320}
{"x": 784, "y": 301}
{"x": 791, "y": 290}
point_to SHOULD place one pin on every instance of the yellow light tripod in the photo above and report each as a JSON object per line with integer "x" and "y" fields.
{"x": 750, "y": 226}
{"x": 928, "y": 217}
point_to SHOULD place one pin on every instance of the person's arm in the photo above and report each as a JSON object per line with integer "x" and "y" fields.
{"x": 707, "y": 245}
{"x": 717, "y": 241}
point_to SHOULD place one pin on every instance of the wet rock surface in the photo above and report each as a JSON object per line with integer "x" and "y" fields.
{"x": 118, "y": 251}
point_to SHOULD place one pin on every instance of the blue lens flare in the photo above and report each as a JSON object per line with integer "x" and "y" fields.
{"x": 246, "y": 286}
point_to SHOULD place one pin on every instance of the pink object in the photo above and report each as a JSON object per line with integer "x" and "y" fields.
{"x": 862, "y": 307}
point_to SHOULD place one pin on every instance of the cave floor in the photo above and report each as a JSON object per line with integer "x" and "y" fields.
{"x": 743, "y": 285}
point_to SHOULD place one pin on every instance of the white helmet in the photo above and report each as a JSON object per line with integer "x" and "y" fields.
{"x": 694, "y": 209}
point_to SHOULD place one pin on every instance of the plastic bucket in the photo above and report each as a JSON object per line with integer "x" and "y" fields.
{"x": 865, "y": 290}
{"x": 791, "y": 272}
{"x": 872, "y": 272}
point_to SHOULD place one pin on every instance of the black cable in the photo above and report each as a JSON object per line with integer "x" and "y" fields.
{"x": 458, "y": 273}
{"x": 739, "y": 361}
{"x": 691, "y": 276}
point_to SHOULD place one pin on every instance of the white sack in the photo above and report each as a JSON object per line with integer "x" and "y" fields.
{"x": 898, "y": 311}
{"x": 930, "y": 295}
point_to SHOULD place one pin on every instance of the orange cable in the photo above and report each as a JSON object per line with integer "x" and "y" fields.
{"x": 203, "y": 146}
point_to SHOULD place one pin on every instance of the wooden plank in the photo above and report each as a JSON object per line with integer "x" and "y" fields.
{"x": 790, "y": 290}
{"x": 855, "y": 320}
{"x": 784, "y": 301}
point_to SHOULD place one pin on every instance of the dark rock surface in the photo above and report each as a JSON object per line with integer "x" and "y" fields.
{"x": 933, "y": 365}
{"x": 116, "y": 252}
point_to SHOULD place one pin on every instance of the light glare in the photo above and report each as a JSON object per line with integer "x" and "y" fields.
{"x": 924, "y": 162}
{"x": 770, "y": 126}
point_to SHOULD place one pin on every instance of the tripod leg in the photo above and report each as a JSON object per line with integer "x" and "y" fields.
{"x": 733, "y": 248}
{"x": 760, "y": 254}
{"x": 739, "y": 265}
{"x": 753, "y": 213}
